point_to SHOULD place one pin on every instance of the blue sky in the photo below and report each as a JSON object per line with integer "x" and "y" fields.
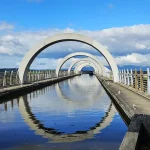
{"x": 78, "y": 14}
{"x": 123, "y": 26}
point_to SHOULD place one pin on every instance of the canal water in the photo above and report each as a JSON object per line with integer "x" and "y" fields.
{"x": 74, "y": 114}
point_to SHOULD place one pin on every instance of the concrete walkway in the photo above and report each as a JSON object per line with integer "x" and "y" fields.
{"x": 11, "y": 91}
{"x": 136, "y": 109}
{"x": 134, "y": 103}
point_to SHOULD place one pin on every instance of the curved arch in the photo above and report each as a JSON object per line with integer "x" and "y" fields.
{"x": 33, "y": 52}
{"x": 84, "y": 59}
{"x": 84, "y": 64}
{"x": 79, "y": 67}
{"x": 79, "y": 54}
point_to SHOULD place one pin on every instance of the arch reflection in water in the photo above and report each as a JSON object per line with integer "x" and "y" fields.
{"x": 79, "y": 85}
{"x": 56, "y": 136}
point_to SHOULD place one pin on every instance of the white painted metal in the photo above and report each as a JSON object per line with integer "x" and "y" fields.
{"x": 79, "y": 67}
{"x": 33, "y": 52}
{"x": 83, "y": 60}
{"x": 101, "y": 69}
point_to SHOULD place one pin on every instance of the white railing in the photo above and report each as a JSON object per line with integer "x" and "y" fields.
{"x": 10, "y": 78}
{"x": 139, "y": 80}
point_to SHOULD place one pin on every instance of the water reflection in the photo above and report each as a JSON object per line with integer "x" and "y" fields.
{"x": 76, "y": 111}
{"x": 56, "y": 136}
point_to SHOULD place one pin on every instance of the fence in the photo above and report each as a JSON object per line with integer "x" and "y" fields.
{"x": 10, "y": 78}
{"x": 139, "y": 80}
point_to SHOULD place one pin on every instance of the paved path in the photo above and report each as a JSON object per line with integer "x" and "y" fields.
{"x": 132, "y": 105}
{"x": 136, "y": 103}
{"x": 10, "y": 90}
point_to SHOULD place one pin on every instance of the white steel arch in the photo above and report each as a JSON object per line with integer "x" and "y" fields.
{"x": 101, "y": 69}
{"x": 35, "y": 50}
{"x": 84, "y": 64}
{"x": 83, "y": 60}
{"x": 79, "y": 67}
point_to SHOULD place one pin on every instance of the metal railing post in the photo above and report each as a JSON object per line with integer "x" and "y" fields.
{"x": 11, "y": 78}
{"x": 148, "y": 81}
{"x": 128, "y": 78}
{"x": 141, "y": 80}
{"x": 4, "y": 78}
{"x": 119, "y": 76}
{"x": 136, "y": 80}
{"x": 131, "y": 77}
{"x": 125, "y": 78}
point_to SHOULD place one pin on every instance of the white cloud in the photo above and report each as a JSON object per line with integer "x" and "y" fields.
{"x": 9, "y": 62}
{"x": 131, "y": 43}
{"x": 46, "y": 63}
{"x": 140, "y": 46}
{"x": 51, "y": 63}
{"x": 134, "y": 59}
{"x": 117, "y": 40}
{"x": 5, "y": 26}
